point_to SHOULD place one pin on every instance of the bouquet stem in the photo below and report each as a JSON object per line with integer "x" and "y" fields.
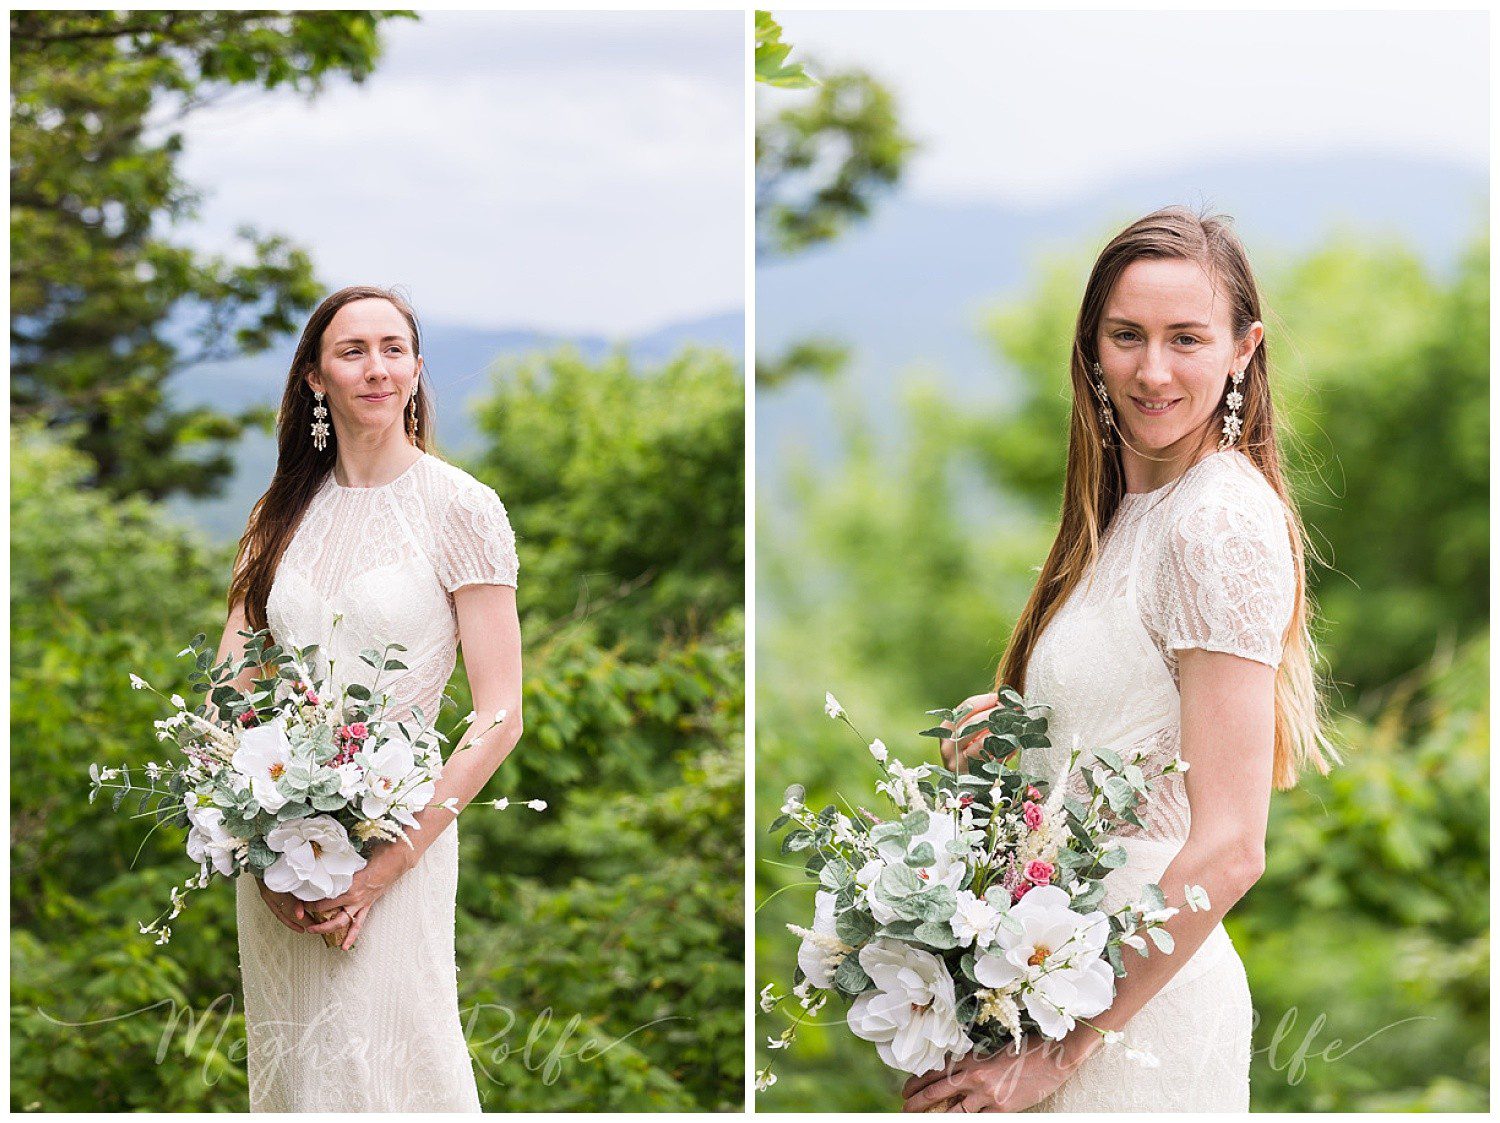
{"x": 331, "y": 939}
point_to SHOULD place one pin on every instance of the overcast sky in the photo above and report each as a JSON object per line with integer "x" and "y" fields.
{"x": 575, "y": 172}
{"x": 1030, "y": 108}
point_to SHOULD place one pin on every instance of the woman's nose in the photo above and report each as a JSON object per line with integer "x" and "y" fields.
{"x": 1154, "y": 369}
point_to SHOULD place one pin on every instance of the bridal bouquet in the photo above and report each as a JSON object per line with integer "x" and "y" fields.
{"x": 293, "y": 781}
{"x": 968, "y": 916}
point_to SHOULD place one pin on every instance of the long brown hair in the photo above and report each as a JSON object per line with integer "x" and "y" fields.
{"x": 300, "y": 467}
{"x": 1094, "y": 480}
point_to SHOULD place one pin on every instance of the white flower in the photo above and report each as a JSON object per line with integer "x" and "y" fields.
{"x": 1055, "y": 962}
{"x": 878, "y": 750}
{"x": 208, "y": 843}
{"x": 910, "y": 1015}
{"x": 537, "y": 804}
{"x": 974, "y": 921}
{"x": 138, "y": 683}
{"x": 500, "y": 804}
{"x": 1197, "y": 897}
{"x": 1182, "y": 765}
{"x": 782, "y": 1042}
{"x": 184, "y": 651}
{"x": 397, "y": 788}
{"x": 264, "y": 754}
{"x": 153, "y": 770}
{"x": 831, "y": 706}
{"x": 351, "y": 780}
{"x": 1158, "y": 916}
{"x": 1113, "y": 1037}
{"x": 821, "y": 950}
{"x": 1142, "y": 1057}
{"x": 177, "y": 700}
{"x": 764, "y": 1079}
{"x": 317, "y": 860}
{"x": 469, "y": 717}
{"x": 450, "y": 804}
{"x": 768, "y": 998}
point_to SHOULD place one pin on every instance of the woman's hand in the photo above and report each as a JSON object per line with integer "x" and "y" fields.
{"x": 387, "y": 863}
{"x": 1003, "y": 1081}
{"x": 285, "y": 907}
{"x": 979, "y": 706}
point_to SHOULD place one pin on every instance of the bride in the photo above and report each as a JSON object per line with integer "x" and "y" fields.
{"x": 363, "y": 539}
{"x": 1170, "y": 615}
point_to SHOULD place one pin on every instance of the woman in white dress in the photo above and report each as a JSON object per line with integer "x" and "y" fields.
{"x": 364, "y": 539}
{"x": 1170, "y": 615}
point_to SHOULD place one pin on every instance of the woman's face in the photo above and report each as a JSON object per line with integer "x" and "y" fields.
{"x": 1166, "y": 347}
{"x": 367, "y": 367}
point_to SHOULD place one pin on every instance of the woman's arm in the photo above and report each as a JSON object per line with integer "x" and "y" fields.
{"x": 1228, "y": 732}
{"x": 490, "y": 634}
{"x": 232, "y": 645}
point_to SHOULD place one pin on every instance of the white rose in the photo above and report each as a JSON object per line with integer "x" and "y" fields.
{"x": 317, "y": 860}
{"x": 910, "y": 1016}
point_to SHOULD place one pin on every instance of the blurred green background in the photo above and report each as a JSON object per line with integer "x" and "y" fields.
{"x": 601, "y": 943}
{"x": 903, "y": 509}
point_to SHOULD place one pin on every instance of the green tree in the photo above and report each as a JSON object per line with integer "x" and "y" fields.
{"x": 105, "y": 304}
{"x": 631, "y": 513}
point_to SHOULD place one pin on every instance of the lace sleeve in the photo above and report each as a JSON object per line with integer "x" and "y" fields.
{"x": 476, "y": 545}
{"x": 1228, "y": 581}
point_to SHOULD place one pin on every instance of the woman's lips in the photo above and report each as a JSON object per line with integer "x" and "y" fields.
{"x": 377, "y": 397}
{"x": 1141, "y": 406}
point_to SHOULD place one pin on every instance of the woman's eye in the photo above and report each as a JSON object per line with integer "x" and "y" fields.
{"x": 1125, "y": 336}
{"x": 1187, "y": 340}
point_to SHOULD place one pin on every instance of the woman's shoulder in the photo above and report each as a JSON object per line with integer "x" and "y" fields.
{"x": 1228, "y": 486}
{"x": 451, "y": 482}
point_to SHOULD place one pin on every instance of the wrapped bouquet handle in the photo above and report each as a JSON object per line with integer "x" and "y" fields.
{"x": 331, "y": 939}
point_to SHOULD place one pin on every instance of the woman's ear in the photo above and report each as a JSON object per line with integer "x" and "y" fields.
{"x": 1246, "y": 349}
{"x": 314, "y": 381}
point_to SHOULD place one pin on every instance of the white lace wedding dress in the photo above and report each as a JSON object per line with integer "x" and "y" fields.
{"x": 1204, "y": 562}
{"x": 376, "y": 1028}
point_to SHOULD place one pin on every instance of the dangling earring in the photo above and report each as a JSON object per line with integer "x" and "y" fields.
{"x": 320, "y": 422}
{"x": 411, "y": 418}
{"x": 1234, "y": 399}
{"x": 1106, "y": 412}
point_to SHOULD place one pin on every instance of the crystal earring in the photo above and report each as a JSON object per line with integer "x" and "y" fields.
{"x": 320, "y": 422}
{"x": 1234, "y": 399}
{"x": 411, "y": 419}
{"x": 1106, "y": 411}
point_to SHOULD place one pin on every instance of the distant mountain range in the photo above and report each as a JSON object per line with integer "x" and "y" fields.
{"x": 906, "y": 289}
{"x": 458, "y": 364}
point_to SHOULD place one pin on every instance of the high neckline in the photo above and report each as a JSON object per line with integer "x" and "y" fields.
{"x": 378, "y": 487}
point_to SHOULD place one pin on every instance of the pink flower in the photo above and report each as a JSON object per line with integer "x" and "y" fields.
{"x": 312, "y": 699}
{"x": 1033, "y": 815}
{"x": 298, "y": 687}
{"x": 247, "y": 718}
{"x": 1032, "y": 793}
{"x": 358, "y": 731}
{"x": 965, "y": 799}
{"x": 1039, "y": 872}
{"x": 1020, "y": 891}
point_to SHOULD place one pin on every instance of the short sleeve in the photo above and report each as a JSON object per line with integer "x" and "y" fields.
{"x": 1228, "y": 579}
{"x": 476, "y": 545}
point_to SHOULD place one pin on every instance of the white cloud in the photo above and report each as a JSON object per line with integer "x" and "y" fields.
{"x": 576, "y": 172}
{"x": 1030, "y": 108}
